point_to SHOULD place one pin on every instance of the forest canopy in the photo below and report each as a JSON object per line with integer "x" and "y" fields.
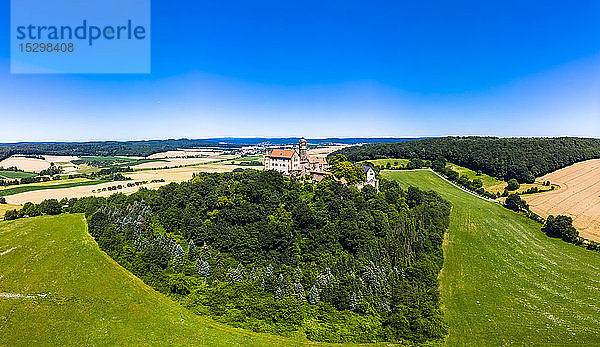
{"x": 259, "y": 251}
{"x": 523, "y": 159}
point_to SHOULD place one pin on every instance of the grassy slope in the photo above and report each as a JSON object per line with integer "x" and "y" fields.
{"x": 92, "y": 299}
{"x": 505, "y": 282}
{"x": 489, "y": 183}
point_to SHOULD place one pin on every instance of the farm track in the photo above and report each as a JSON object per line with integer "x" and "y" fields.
{"x": 504, "y": 281}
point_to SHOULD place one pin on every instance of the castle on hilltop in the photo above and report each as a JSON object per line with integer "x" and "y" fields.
{"x": 295, "y": 161}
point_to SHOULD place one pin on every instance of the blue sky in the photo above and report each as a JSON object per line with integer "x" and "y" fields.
{"x": 329, "y": 68}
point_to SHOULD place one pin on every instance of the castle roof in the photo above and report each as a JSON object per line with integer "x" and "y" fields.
{"x": 364, "y": 167}
{"x": 281, "y": 153}
{"x": 316, "y": 159}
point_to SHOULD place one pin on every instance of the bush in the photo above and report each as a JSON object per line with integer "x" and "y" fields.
{"x": 515, "y": 203}
{"x": 11, "y": 214}
{"x": 451, "y": 174}
{"x": 50, "y": 207}
{"x": 561, "y": 226}
{"x": 512, "y": 185}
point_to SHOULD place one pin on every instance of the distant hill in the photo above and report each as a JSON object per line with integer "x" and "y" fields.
{"x": 314, "y": 141}
{"x": 102, "y": 148}
{"x": 149, "y": 147}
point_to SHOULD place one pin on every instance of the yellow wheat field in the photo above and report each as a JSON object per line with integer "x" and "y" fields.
{"x": 578, "y": 197}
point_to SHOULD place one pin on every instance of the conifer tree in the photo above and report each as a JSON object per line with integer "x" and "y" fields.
{"x": 191, "y": 249}
{"x": 313, "y": 295}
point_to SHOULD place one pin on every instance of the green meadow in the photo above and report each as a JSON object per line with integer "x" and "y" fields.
{"x": 488, "y": 181}
{"x": 58, "y": 288}
{"x": 32, "y": 187}
{"x": 15, "y": 174}
{"x": 504, "y": 281}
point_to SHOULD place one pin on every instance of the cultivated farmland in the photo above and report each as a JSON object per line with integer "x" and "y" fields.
{"x": 578, "y": 197}
{"x": 24, "y": 163}
{"x": 80, "y": 187}
{"x": 504, "y": 281}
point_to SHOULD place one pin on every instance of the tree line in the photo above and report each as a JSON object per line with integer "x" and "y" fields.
{"x": 102, "y": 148}
{"x": 523, "y": 159}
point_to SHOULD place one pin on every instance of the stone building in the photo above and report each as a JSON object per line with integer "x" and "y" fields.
{"x": 295, "y": 161}
{"x": 370, "y": 175}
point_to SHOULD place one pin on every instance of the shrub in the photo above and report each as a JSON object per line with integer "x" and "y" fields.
{"x": 515, "y": 203}
{"x": 561, "y": 226}
{"x": 512, "y": 185}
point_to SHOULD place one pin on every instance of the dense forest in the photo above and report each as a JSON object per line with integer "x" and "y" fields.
{"x": 523, "y": 159}
{"x": 258, "y": 251}
{"x": 102, "y": 148}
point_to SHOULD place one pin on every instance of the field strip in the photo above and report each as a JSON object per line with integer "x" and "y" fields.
{"x": 25, "y": 188}
{"x": 464, "y": 189}
{"x": 7, "y": 251}
{"x": 22, "y": 296}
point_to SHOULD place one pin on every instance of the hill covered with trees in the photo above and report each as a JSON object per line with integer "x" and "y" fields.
{"x": 258, "y": 251}
{"x": 523, "y": 159}
{"x": 101, "y": 148}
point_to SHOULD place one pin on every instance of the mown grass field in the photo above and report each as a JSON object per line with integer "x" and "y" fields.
{"x": 489, "y": 183}
{"x": 505, "y": 282}
{"x": 90, "y": 299}
{"x": 33, "y": 187}
{"x": 493, "y": 184}
{"x": 15, "y": 174}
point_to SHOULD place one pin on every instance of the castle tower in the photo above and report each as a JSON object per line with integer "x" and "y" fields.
{"x": 303, "y": 150}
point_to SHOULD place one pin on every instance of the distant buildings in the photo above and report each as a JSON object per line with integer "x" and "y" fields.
{"x": 295, "y": 161}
